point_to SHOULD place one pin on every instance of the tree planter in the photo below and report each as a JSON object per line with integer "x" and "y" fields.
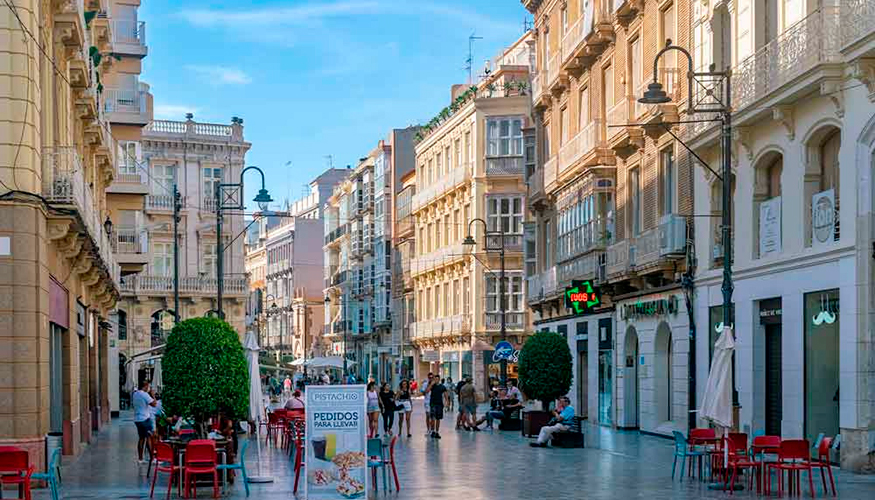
{"x": 533, "y": 421}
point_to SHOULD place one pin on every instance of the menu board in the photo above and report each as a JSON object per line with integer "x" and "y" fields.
{"x": 336, "y": 457}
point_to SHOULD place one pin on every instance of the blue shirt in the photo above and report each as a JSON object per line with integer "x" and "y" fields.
{"x": 566, "y": 416}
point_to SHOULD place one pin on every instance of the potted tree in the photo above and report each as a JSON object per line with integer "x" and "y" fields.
{"x": 205, "y": 372}
{"x": 545, "y": 373}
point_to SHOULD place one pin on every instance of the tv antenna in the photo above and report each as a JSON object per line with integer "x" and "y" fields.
{"x": 329, "y": 159}
{"x": 469, "y": 63}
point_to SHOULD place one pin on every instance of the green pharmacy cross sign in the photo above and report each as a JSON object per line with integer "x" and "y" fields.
{"x": 581, "y": 296}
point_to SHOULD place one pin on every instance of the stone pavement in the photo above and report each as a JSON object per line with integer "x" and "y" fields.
{"x": 461, "y": 466}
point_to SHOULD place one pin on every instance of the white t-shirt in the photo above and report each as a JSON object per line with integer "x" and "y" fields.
{"x": 141, "y": 401}
{"x": 513, "y": 392}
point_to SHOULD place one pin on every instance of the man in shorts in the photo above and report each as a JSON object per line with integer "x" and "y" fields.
{"x": 438, "y": 399}
{"x": 468, "y": 403}
{"x": 142, "y": 403}
{"x": 426, "y": 391}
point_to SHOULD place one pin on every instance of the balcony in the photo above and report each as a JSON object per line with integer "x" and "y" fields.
{"x": 209, "y": 204}
{"x": 127, "y": 106}
{"x": 536, "y": 193}
{"x": 190, "y": 129}
{"x": 162, "y": 286}
{"x": 542, "y": 286}
{"x": 514, "y": 320}
{"x": 131, "y": 247}
{"x": 556, "y": 80}
{"x": 506, "y": 165}
{"x": 621, "y": 258}
{"x": 127, "y": 181}
{"x": 540, "y": 97}
{"x": 550, "y": 173}
{"x": 441, "y": 329}
{"x": 129, "y": 37}
{"x": 101, "y": 30}
{"x": 858, "y": 28}
{"x": 438, "y": 258}
{"x": 588, "y": 37}
{"x": 336, "y": 234}
{"x": 588, "y": 267}
{"x": 623, "y": 138}
{"x": 160, "y": 202}
{"x": 64, "y": 185}
{"x": 454, "y": 179}
{"x": 626, "y": 10}
{"x": 585, "y": 149}
{"x": 592, "y": 235}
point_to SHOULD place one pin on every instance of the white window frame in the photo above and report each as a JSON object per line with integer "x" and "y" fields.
{"x": 162, "y": 259}
{"x": 504, "y": 137}
{"x": 510, "y": 220}
{"x": 513, "y": 292}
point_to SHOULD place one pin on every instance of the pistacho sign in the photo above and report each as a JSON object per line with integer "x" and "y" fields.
{"x": 581, "y": 296}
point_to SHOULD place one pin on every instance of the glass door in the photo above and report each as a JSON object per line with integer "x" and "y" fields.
{"x": 821, "y": 364}
{"x": 606, "y": 392}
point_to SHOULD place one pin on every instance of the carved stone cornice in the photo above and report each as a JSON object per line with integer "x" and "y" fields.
{"x": 57, "y": 228}
{"x": 863, "y": 69}
{"x": 71, "y": 245}
{"x": 92, "y": 277}
{"x": 83, "y": 264}
{"x": 784, "y": 116}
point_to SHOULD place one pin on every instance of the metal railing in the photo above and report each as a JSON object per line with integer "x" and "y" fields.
{"x": 64, "y": 184}
{"x": 814, "y": 40}
{"x": 618, "y": 114}
{"x": 580, "y": 145}
{"x": 505, "y": 165}
{"x": 124, "y": 101}
{"x": 621, "y": 257}
{"x": 130, "y": 240}
{"x": 858, "y": 20}
{"x": 514, "y": 320}
{"x": 593, "y": 234}
{"x": 145, "y": 284}
{"x": 541, "y": 285}
{"x": 449, "y": 325}
{"x": 536, "y": 184}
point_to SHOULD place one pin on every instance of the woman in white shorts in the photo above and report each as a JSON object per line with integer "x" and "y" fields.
{"x": 404, "y": 406}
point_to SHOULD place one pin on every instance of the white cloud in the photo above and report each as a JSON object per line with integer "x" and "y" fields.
{"x": 173, "y": 111}
{"x": 220, "y": 75}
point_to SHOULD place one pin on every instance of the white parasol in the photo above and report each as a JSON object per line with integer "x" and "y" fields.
{"x": 157, "y": 376}
{"x": 256, "y": 399}
{"x": 717, "y": 401}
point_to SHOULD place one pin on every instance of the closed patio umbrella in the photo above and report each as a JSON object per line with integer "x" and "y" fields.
{"x": 717, "y": 401}
{"x": 157, "y": 377}
{"x": 256, "y": 399}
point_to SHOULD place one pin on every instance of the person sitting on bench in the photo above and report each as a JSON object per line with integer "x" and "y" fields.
{"x": 563, "y": 419}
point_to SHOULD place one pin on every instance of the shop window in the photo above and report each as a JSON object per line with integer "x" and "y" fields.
{"x": 822, "y": 327}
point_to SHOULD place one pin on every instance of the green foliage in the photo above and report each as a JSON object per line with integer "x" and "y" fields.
{"x": 205, "y": 371}
{"x": 545, "y": 367}
{"x": 89, "y": 16}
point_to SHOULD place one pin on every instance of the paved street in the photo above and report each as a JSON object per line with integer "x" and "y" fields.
{"x": 463, "y": 465}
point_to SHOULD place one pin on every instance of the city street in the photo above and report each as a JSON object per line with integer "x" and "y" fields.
{"x": 462, "y": 465}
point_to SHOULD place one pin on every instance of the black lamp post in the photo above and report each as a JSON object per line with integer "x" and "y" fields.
{"x": 494, "y": 243}
{"x": 712, "y": 95}
{"x": 230, "y": 197}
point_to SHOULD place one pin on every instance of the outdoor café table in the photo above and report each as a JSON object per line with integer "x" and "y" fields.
{"x": 180, "y": 444}
{"x": 12, "y": 465}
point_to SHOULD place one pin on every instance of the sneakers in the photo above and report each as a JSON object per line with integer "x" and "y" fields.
{"x": 475, "y": 429}
{"x": 538, "y": 445}
{"x": 436, "y": 435}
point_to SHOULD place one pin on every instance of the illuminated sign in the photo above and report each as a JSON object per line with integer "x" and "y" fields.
{"x": 581, "y": 296}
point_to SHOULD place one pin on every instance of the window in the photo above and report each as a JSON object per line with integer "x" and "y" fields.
{"x": 449, "y": 158}
{"x": 504, "y": 137}
{"x": 608, "y": 79}
{"x": 634, "y": 202}
{"x": 667, "y": 32}
{"x": 439, "y": 166}
{"x": 457, "y": 145}
{"x": 438, "y": 310}
{"x": 162, "y": 259}
{"x": 513, "y": 294}
{"x": 583, "y": 117}
{"x": 505, "y": 214}
{"x": 437, "y": 234}
{"x": 466, "y": 295}
{"x": 127, "y": 157}
{"x": 212, "y": 178}
{"x": 564, "y": 21}
{"x": 456, "y": 291}
{"x": 457, "y": 226}
{"x": 547, "y": 135}
{"x": 635, "y": 65}
{"x": 163, "y": 178}
{"x": 667, "y": 181}
{"x": 208, "y": 260}
{"x": 430, "y": 171}
{"x": 122, "y": 325}
{"x": 564, "y": 124}
{"x": 447, "y": 230}
{"x": 469, "y": 153}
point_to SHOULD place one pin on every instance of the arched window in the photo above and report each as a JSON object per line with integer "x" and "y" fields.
{"x": 822, "y": 173}
{"x": 767, "y": 204}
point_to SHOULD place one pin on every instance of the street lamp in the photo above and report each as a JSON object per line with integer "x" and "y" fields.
{"x": 713, "y": 95}
{"x": 270, "y": 312}
{"x": 345, "y": 332}
{"x": 230, "y": 197}
{"x": 494, "y": 243}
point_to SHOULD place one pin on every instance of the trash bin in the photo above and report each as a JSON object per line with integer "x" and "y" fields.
{"x": 54, "y": 441}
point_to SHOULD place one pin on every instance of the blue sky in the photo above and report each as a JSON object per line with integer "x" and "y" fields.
{"x": 314, "y": 78}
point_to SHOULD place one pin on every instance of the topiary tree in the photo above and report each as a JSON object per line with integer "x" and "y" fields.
{"x": 205, "y": 372}
{"x": 545, "y": 368}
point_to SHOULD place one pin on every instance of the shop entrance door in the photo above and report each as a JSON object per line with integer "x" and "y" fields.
{"x": 583, "y": 382}
{"x": 774, "y": 394}
{"x": 606, "y": 387}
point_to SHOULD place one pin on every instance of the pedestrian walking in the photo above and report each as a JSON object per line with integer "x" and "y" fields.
{"x": 460, "y": 418}
{"x": 468, "y": 403}
{"x": 143, "y": 403}
{"x": 387, "y": 408}
{"x": 426, "y": 391}
{"x": 450, "y": 392}
{"x": 404, "y": 406}
{"x": 287, "y": 387}
{"x": 438, "y": 399}
{"x": 373, "y": 410}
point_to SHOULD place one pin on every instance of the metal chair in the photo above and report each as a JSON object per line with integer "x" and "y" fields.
{"x": 682, "y": 450}
{"x": 52, "y": 474}
{"x": 240, "y": 465}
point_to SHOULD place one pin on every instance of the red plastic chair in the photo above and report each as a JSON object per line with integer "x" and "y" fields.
{"x": 391, "y": 462}
{"x": 739, "y": 459}
{"x": 200, "y": 458}
{"x": 165, "y": 461}
{"x": 16, "y": 460}
{"x": 822, "y": 462}
{"x": 794, "y": 457}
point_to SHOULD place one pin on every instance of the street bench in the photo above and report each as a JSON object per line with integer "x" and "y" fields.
{"x": 572, "y": 438}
